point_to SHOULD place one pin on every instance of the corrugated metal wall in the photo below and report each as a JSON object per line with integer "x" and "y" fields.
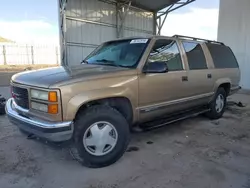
{"x": 91, "y": 22}
{"x": 138, "y": 23}
{"x": 234, "y": 30}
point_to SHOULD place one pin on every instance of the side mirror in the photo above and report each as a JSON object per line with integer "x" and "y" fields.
{"x": 156, "y": 67}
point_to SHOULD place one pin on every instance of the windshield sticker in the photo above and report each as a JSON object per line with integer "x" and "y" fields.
{"x": 139, "y": 41}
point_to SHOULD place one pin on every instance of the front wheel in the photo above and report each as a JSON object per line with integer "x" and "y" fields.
{"x": 101, "y": 136}
{"x": 218, "y": 105}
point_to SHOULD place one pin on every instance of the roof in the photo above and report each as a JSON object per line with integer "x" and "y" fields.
{"x": 153, "y": 5}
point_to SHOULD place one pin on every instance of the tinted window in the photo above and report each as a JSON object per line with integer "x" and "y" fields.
{"x": 195, "y": 55}
{"x": 166, "y": 51}
{"x": 223, "y": 56}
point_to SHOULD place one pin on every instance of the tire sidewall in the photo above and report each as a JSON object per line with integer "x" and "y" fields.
{"x": 122, "y": 128}
{"x": 214, "y": 114}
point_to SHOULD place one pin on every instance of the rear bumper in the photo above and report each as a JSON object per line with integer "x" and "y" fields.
{"x": 52, "y": 131}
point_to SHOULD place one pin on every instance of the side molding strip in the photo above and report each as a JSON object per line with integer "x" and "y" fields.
{"x": 163, "y": 105}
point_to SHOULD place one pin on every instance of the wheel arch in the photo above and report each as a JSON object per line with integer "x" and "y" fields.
{"x": 121, "y": 104}
{"x": 225, "y": 83}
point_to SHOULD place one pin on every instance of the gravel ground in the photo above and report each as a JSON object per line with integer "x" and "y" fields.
{"x": 193, "y": 153}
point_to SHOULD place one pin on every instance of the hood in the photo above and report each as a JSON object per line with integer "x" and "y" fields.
{"x": 50, "y": 76}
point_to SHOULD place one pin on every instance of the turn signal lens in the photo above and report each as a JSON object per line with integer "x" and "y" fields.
{"x": 53, "y": 108}
{"x": 52, "y": 96}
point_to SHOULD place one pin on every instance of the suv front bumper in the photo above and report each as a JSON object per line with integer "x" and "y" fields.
{"x": 52, "y": 131}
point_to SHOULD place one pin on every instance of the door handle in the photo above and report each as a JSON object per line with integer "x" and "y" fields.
{"x": 209, "y": 76}
{"x": 184, "y": 78}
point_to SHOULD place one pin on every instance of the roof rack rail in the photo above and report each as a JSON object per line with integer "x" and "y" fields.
{"x": 198, "y": 39}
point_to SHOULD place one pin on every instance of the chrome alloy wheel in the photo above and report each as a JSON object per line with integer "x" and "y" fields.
{"x": 100, "y": 138}
{"x": 220, "y": 102}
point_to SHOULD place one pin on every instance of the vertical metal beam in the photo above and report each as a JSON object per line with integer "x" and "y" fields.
{"x": 117, "y": 20}
{"x": 27, "y": 53}
{"x": 62, "y": 29}
{"x": 155, "y": 25}
{"x": 159, "y": 24}
{"x": 32, "y": 55}
{"x": 57, "y": 60}
{"x": 122, "y": 9}
{"x": 4, "y": 55}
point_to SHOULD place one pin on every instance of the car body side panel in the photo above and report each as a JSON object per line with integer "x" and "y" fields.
{"x": 199, "y": 86}
{"x": 125, "y": 86}
{"x": 221, "y": 76}
{"x": 156, "y": 91}
{"x": 159, "y": 93}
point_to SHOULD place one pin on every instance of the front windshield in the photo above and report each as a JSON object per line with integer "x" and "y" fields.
{"x": 124, "y": 53}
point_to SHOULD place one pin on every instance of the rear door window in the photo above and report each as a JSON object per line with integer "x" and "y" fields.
{"x": 223, "y": 56}
{"x": 195, "y": 55}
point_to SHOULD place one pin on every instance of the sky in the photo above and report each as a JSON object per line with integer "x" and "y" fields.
{"x": 198, "y": 19}
{"x": 35, "y": 21}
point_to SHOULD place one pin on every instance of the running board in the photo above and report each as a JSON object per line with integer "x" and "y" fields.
{"x": 174, "y": 118}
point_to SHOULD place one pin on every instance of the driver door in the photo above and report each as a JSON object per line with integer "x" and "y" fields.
{"x": 161, "y": 93}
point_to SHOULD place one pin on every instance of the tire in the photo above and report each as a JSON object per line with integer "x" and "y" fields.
{"x": 2, "y": 109}
{"x": 216, "y": 110}
{"x": 88, "y": 122}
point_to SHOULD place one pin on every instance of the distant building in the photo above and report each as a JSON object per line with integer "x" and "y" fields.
{"x": 234, "y": 30}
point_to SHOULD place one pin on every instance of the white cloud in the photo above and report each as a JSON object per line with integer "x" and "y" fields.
{"x": 29, "y": 31}
{"x": 197, "y": 22}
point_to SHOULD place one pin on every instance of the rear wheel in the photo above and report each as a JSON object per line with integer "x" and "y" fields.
{"x": 101, "y": 136}
{"x": 218, "y": 105}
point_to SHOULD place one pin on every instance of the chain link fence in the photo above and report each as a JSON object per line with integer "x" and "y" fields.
{"x": 22, "y": 54}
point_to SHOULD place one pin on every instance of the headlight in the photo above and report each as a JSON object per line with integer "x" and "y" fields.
{"x": 50, "y": 96}
{"x": 38, "y": 94}
{"x": 50, "y": 108}
{"x": 39, "y": 106}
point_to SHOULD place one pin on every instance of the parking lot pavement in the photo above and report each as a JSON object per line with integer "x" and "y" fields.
{"x": 5, "y": 77}
{"x": 5, "y": 92}
{"x": 193, "y": 153}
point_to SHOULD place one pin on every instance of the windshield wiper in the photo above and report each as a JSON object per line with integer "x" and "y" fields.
{"x": 105, "y": 60}
{"x": 110, "y": 63}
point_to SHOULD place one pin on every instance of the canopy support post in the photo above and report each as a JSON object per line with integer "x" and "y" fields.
{"x": 164, "y": 13}
{"x": 62, "y": 30}
{"x": 122, "y": 9}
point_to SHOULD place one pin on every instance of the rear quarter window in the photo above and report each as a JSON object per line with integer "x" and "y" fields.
{"x": 223, "y": 56}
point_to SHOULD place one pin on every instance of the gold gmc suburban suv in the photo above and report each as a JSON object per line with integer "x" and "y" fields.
{"x": 123, "y": 85}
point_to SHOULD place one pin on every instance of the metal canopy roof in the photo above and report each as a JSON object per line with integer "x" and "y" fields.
{"x": 153, "y": 5}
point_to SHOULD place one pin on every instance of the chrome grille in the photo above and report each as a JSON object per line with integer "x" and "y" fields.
{"x": 21, "y": 97}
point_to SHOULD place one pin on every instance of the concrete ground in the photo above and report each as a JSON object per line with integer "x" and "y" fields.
{"x": 193, "y": 153}
{"x": 5, "y": 78}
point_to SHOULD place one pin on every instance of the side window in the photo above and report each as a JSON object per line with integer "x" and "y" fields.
{"x": 166, "y": 51}
{"x": 195, "y": 55}
{"x": 223, "y": 56}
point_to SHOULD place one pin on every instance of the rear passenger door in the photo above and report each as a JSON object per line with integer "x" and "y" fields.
{"x": 200, "y": 78}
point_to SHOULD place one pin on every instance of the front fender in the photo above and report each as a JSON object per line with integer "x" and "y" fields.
{"x": 81, "y": 99}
